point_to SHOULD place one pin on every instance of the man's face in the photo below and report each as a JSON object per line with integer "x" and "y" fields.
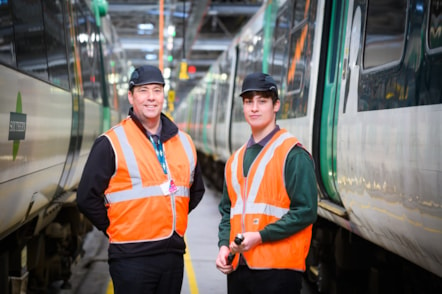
{"x": 147, "y": 101}
{"x": 259, "y": 111}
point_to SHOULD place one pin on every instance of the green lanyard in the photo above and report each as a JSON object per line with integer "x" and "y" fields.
{"x": 160, "y": 153}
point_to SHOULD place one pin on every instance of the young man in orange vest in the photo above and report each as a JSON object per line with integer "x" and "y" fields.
{"x": 139, "y": 184}
{"x": 270, "y": 198}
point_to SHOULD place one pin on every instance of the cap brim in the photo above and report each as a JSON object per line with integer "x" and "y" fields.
{"x": 250, "y": 90}
{"x": 147, "y": 83}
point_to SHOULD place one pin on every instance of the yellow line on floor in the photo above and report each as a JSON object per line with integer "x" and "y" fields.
{"x": 193, "y": 285}
{"x": 110, "y": 287}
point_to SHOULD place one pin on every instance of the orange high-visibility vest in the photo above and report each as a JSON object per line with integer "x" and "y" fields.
{"x": 261, "y": 199}
{"x": 140, "y": 205}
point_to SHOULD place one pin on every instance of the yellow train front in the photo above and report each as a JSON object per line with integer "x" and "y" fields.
{"x": 360, "y": 87}
{"x": 61, "y": 84}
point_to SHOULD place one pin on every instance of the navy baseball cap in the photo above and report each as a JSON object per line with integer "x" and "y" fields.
{"x": 146, "y": 74}
{"x": 259, "y": 81}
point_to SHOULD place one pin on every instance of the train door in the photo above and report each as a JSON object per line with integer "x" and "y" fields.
{"x": 338, "y": 23}
{"x": 67, "y": 180}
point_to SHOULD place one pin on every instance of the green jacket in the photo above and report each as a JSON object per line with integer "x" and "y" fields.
{"x": 301, "y": 186}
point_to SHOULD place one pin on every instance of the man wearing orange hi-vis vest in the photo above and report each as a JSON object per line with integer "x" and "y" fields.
{"x": 140, "y": 182}
{"x": 269, "y": 202}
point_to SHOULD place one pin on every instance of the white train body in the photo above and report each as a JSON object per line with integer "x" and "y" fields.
{"x": 60, "y": 88}
{"x": 361, "y": 88}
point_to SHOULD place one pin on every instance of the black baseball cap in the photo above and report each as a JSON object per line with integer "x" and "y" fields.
{"x": 146, "y": 74}
{"x": 259, "y": 81}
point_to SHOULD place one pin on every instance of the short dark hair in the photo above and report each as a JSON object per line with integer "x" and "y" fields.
{"x": 266, "y": 94}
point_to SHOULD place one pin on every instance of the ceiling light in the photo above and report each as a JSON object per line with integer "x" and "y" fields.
{"x": 151, "y": 56}
{"x": 167, "y": 73}
{"x": 171, "y": 30}
{"x": 145, "y": 26}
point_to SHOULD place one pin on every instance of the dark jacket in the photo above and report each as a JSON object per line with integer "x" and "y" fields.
{"x": 97, "y": 172}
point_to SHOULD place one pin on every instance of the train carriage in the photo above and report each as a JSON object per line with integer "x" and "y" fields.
{"x": 62, "y": 84}
{"x": 360, "y": 86}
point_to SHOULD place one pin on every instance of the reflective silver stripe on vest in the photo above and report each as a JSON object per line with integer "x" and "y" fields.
{"x": 251, "y": 206}
{"x": 189, "y": 151}
{"x": 129, "y": 155}
{"x": 237, "y": 209}
{"x": 143, "y": 192}
{"x": 138, "y": 191}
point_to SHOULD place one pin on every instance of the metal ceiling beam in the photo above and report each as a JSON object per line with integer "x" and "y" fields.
{"x": 208, "y": 31}
{"x": 115, "y": 8}
{"x": 202, "y": 63}
{"x": 193, "y": 23}
{"x": 138, "y": 43}
{"x": 213, "y": 9}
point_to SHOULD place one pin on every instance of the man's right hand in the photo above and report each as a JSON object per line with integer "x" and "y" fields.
{"x": 221, "y": 260}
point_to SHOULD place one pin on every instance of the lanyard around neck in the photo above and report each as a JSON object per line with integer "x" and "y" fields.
{"x": 160, "y": 153}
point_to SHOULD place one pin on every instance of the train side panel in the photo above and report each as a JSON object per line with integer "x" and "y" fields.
{"x": 56, "y": 97}
{"x": 360, "y": 88}
{"x": 35, "y": 160}
{"x": 388, "y": 132}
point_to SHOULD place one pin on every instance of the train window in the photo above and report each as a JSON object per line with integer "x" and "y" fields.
{"x": 385, "y": 32}
{"x": 251, "y": 53}
{"x": 6, "y": 35}
{"x": 390, "y": 31}
{"x": 251, "y": 60}
{"x": 300, "y": 13}
{"x": 200, "y": 100}
{"x": 109, "y": 68}
{"x": 237, "y": 110}
{"x": 193, "y": 115}
{"x": 32, "y": 38}
{"x": 56, "y": 43}
{"x": 223, "y": 89}
{"x": 118, "y": 81}
{"x": 280, "y": 45}
{"x": 113, "y": 56}
{"x": 87, "y": 40}
{"x": 256, "y": 54}
{"x": 435, "y": 25}
{"x": 29, "y": 38}
{"x": 282, "y": 23}
{"x": 209, "y": 98}
{"x": 294, "y": 103}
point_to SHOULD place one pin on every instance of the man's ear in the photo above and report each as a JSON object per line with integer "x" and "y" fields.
{"x": 276, "y": 105}
{"x": 130, "y": 97}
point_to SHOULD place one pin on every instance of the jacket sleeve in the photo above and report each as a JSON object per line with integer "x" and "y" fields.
{"x": 197, "y": 189}
{"x": 301, "y": 187}
{"x": 224, "y": 225}
{"x": 99, "y": 168}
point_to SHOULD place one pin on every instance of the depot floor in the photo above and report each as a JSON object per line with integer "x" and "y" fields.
{"x": 91, "y": 273}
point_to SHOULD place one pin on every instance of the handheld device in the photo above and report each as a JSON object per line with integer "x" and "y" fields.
{"x": 238, "y": 240}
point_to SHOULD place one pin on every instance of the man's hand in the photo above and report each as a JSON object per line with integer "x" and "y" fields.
{"x": 251, "y": 239}
{"x": 221, "y": 260}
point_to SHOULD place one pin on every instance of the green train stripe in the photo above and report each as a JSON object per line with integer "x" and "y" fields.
{"x": 16, "y": 143}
